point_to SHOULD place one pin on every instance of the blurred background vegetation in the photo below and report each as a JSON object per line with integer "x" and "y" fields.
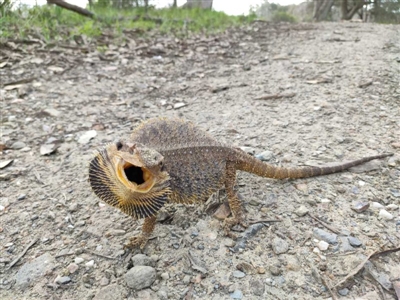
{"x": 53, "y": 21}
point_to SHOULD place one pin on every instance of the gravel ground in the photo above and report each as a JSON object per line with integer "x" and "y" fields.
{"x": 292, "y": 94}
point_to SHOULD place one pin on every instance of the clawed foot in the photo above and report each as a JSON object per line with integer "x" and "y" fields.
{"x": 230, "y": 222}
{"x": 136, "y": 242}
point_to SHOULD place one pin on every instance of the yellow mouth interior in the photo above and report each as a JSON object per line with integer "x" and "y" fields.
{"x": 138, "y": 178}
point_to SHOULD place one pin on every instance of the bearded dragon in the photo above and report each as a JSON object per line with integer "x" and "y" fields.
{"x": 171, "y": 160}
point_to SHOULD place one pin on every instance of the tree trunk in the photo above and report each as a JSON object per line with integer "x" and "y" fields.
{"x": 326, "y": 9}
{"x": 347, "y": 14}
{"x": 321, "y": 9}
{"x": 317, "y": 5}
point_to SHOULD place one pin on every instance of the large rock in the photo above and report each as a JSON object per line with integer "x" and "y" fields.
{"x": 31, "y": 271}
{"x": 140, "y": 277}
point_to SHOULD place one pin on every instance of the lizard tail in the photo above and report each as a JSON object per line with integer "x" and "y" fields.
{"x": 247, "y": 163}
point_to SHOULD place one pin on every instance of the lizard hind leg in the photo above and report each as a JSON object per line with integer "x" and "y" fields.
{"x": 141, "y": 239}
{"x": 234, "y": 201}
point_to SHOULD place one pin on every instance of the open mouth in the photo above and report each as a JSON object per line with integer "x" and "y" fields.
{"x": 137, "y": 178}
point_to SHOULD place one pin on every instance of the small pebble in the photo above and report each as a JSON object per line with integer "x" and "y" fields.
{"x": 179, "y": 105}
{"x": 279, "y": 245}
{"x": 80, "y": 223}
{"x": 276, "y": 271}
{"x": 73, "y": 207}
{"x": 78, "y": 260}
{"x": 376, "y": 205}
{"x": 360, "y": 206}
{"x": 395, "y": 193}
{"x": 104, "y": 281}
{"x": 165, "y": 275}
{"x": 384, "y": 214}
{"x": 265, "y": 156}
{"x": 72, "y": 268}
{"x": 238, "y": 274}
{"x": 392, "y": 207}
{"x": 18, "y": 145}
{"x": 186, "y": 279}
{"x": 343, "y": 292}
{"x": 21, "y": 197}
{"x": 355, "y": 242}
{"x": 261, "y": 270}
{"x": 345, "y": 245}
{"x": 90, "y": 263}
{"x": 142, "y": 260}
{"x": 330, "y": 238}
{"x": 237, "y": 294}
{"x": 301, "y": 211}
{"x": 322, "y": 245}
{"x": 62, "y": 279}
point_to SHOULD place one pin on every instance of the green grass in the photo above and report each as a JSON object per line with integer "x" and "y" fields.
{"x": 54, "y": 23}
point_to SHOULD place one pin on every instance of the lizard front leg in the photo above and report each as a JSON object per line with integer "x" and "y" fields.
{"x": 233, "y": 200}
{"x": 141, "y": 239}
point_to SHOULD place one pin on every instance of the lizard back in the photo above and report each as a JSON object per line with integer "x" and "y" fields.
{"x": 194, "y": 160}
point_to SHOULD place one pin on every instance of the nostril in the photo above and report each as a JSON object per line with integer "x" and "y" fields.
{"x": 119, "y": 145}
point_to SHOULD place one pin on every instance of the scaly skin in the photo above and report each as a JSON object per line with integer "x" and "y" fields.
{"x": 174, "y": 160}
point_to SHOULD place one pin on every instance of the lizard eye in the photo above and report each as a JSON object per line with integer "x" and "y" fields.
{"x": 119, "y": 145}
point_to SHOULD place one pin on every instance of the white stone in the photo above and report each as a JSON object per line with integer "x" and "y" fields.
{"x": 376, "y": 205}
{"x": 392, "y": 207}
{"x": 384, "y": 214}
{"x": 322, "y": 245}
{"x": 90, "y": 263}
{"x": 79, "y": 260}
{"x": 316, "y": 250}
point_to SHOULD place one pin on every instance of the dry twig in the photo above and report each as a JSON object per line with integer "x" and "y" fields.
{"x": 276, "y": 96}
{"x": 325, "y": 225}
{"x": 23, "y": 253}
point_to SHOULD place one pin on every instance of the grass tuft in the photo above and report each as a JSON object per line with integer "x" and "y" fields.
{"x": 55, "y": 23}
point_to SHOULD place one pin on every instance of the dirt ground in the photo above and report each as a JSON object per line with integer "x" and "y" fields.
{"x": 293, "y": 94}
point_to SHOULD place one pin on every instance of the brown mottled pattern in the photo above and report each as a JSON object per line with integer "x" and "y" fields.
{"x": 247, "y": 163}
{"x": 197, "y": 166}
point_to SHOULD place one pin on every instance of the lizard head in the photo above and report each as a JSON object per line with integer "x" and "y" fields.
{"x": 130, "y": 177}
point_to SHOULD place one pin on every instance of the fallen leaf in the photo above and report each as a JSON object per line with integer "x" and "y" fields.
{"x": 5, "y": 163}
{"x": 87, "y": 136}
